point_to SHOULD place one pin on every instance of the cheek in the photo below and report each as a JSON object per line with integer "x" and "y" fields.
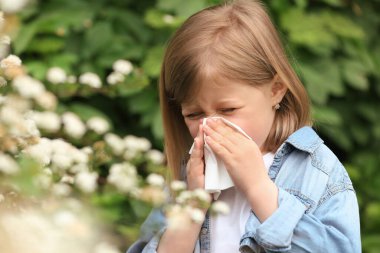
{"x": 193, "y": 127}
{"x": 258, "y": 130}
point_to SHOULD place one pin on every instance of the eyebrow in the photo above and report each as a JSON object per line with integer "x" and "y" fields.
{"x": 223, "y": 102}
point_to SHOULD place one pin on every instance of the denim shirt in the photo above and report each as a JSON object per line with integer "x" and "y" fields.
{"x": 317, "y": 206}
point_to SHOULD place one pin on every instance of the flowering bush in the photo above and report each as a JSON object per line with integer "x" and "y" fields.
{"x": 63, "y": 176}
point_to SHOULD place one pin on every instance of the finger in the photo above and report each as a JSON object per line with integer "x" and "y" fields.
{"x": 225, "y": 130}
{"x": 219, "y": 149}
{"x": 219, "y": 138}
{"x": 199, "y": 142}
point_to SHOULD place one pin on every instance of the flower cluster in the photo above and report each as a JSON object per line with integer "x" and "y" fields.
{"x": 121, "y": 68}
{"x": 62, "y": 227}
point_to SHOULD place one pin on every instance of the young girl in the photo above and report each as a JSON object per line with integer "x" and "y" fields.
{"x": 290, "y": 194}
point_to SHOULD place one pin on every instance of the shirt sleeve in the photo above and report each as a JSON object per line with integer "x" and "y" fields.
{"x": 151, "y": 232}
{"x": 333, "y": 227}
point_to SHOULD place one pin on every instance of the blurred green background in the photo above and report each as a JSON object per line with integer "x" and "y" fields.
{"x": 333, "y": 45}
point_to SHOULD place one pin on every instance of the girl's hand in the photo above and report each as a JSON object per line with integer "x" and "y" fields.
{"x": 244, "y": 163}
{"x": 195, "y": 168}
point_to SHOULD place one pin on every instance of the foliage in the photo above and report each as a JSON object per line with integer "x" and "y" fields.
{"x": 332, "y": 43}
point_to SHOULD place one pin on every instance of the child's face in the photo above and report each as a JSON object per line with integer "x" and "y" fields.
{"x": 249, "y": 107}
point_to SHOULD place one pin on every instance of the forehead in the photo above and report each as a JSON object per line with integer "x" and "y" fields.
{"x": 217, "y": 91}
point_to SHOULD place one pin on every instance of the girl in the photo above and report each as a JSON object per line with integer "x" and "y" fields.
{"x": 291, "y": 193}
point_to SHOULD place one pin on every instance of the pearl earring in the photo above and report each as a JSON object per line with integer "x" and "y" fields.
{"x": 277, "y": 106}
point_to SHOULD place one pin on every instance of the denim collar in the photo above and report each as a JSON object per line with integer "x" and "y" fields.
{"x": 305, "y": 139}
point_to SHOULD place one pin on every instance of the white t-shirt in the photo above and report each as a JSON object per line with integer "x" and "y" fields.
{"x": 226, "y": 230}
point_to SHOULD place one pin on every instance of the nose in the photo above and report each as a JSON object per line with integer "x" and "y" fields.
{"x": 209, "y": 115}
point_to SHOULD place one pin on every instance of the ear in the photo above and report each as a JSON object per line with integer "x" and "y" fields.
{"x": 278, "y": 90}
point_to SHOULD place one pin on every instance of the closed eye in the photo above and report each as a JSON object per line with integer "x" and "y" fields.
{"x": 194, "y": 115}
{"x": 228, "y": 110}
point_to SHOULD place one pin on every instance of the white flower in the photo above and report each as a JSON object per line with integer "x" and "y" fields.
{"x": 79, "y": 156}
{"x": 67, "y": 179}
{"x": 7, "y": 164}
{"x": 64, "y": 218}
{"x": 202, "y": 195}
{"x": 44, "y": 180}
{"x": 12, "y": 6}
{"x": 122, "y": 66}
{"x": 28, "y": 87}
{"x": 5, "y": 39}
{"x": 177, "y": 185}
{"x": 183, "y": 197}
{"x": 178, "y": 218}
{"x": 86, "y": 181}
{"x": 87, "y": 150}
{"x": 19, "y": 103}
{"x": 168, "y": 19}
{"x": 9, "y": 115}
{"x": 123, "y": 176}
{"x": 56, "y": 75}
{"x": 105, "y": 247}
{"x": 31, "y": 128}
{"x": 61, "y": 161}
{"x": 115, "y": 77}
{"x": 91, "y": 79}
{"x": 48, "y": 121}
{"x": 220, "y": 207}
{"x": 130, "y": 154}
{"x": 155, "y": 156}
{"x": 73, "y": 125}
{"x": 197, "y": 215}
{"x": 153, "y": 195}
{"x": 15, "y": 120}
{"x": 115, "y": 142}
{"x": 10, "y": 62}
{"x": 98, "y": 125}
{"x": 61, "y": 189}
{"x": 41, "y": 151}
{"x": 78, "y": 168}
{"x": 137, "y": 143}
{"x": 155, "y": 180}
{"x": 47, "y": 100}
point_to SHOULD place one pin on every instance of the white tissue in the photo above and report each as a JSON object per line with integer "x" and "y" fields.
{"x": 216, "y": 175}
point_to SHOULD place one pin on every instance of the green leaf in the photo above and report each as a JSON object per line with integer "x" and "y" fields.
{"x": 322, "y": 78}
{"x": 37, "y": 69}
{"x": 64, "y": 19}
{"x": 97, "y": 38}
{"x": 371, "y": 242}
{"x": 152, "y": 62}
{"x": 355, "y": 73}
{"x": 373, "y": 212}
{"x": 327, "y": 116}
{"x": 182, "y": 8}
{"x": 25, "y": 35}
{"x": 65, "y": 61}
{"x": 308, "y": 30}
{"x": 158, "y": 19}
{"x": 85, "y": 112}
{"x": 132, "y": 84}
{"x": 45, "y": 45}
{"x": 335, "y": 3}
{"x": 156, "y": 126}
{"x": 342, "y": 26}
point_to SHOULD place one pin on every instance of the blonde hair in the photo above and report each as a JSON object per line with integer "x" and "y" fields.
{"x": 239, "y": 42}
